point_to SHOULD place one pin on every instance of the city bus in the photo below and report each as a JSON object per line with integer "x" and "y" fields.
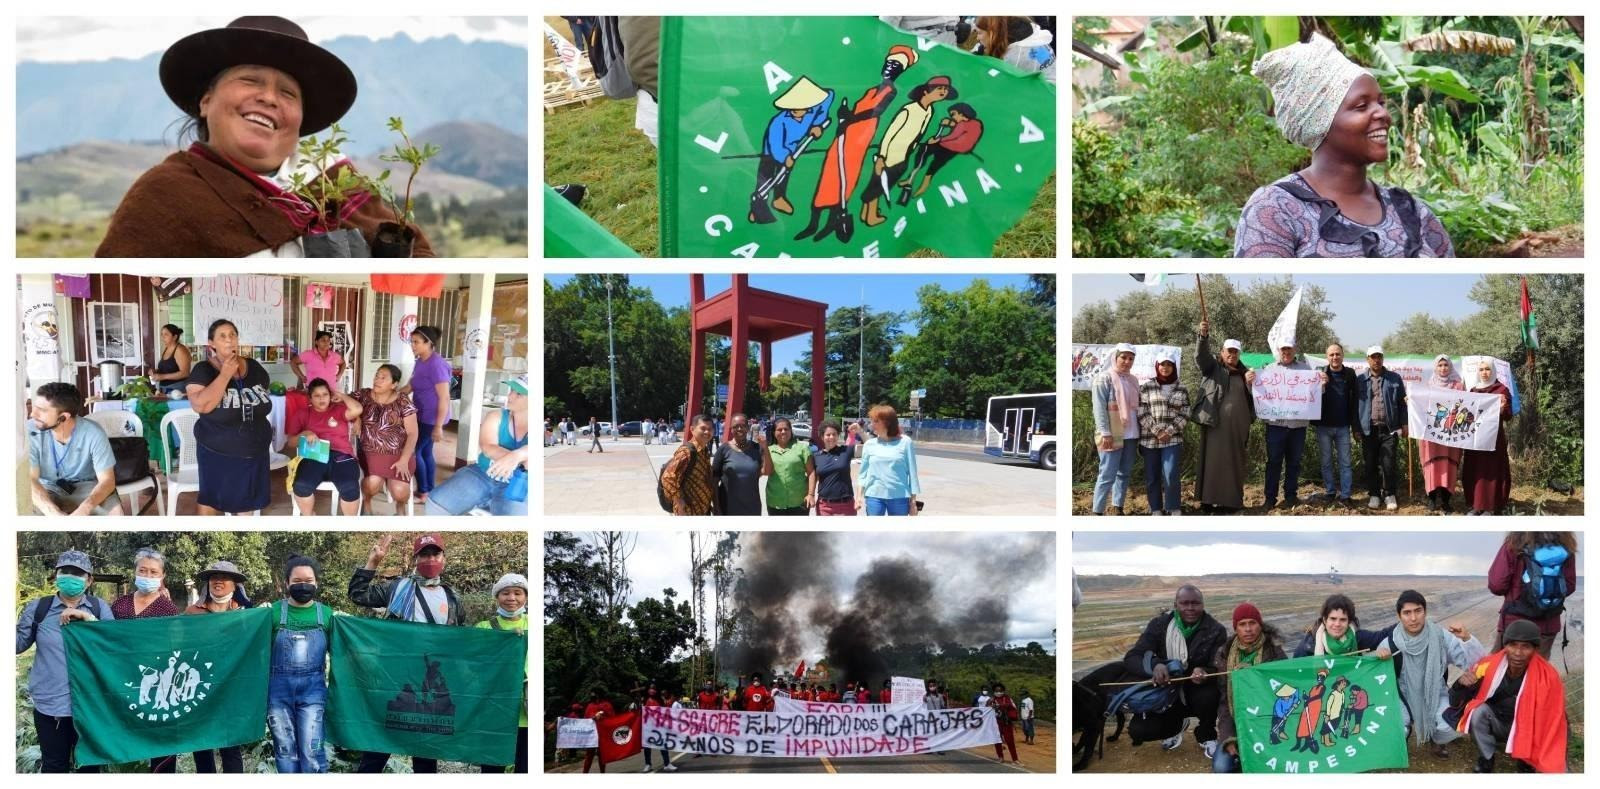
{"x": 1022, "y": 426}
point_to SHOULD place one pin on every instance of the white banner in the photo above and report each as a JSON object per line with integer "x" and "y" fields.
{"x": 576, "y": 733}
{"x": 253, "y": 302}
{"x": 878, "y": 731}
{"x": 41, "y": 337}
{"x": 1502, "y": 373}
{"x": 1284, "y": 393}
{"x": 566, "y": 52}
{"x": 788, "y": 706}
{"x": 1281, "y": 334}
{"x": 1453, "y": 418}
{"x": 907, "y": 690}
{"x": 1089, "y": 360}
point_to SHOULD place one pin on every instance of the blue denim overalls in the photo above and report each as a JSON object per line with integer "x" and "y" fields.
{"x": 297, "y": 693}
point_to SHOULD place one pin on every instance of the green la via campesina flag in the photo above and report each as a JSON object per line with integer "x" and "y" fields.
{"x": 570, "y": 233}
{"x": 441, "y": 692}
{"x": 1319, "y": 714}
{"x": 143, "y": 688}
{"x": 815, "y": 136}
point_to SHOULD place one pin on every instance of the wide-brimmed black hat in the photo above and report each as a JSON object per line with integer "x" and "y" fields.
{"x": 327, "y": 85}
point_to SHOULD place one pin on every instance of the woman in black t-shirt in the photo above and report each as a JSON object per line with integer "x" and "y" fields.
{"x": 233, "y": 438}
{"x": 831, "y": 487}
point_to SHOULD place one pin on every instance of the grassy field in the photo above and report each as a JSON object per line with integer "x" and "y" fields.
{"x": 597, "y": 146}
{"x": 1116, "y": 608}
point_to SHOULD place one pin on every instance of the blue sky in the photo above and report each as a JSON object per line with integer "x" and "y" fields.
{"x": 884, "y": 293}
{"x": 1366, "y": 307}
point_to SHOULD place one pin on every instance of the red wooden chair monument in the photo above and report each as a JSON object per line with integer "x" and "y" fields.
{"x": 749, "y": 315}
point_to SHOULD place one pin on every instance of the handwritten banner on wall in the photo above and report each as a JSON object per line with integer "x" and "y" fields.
{"x": 1285, "y": 393}
{"x": 253, "y": 302}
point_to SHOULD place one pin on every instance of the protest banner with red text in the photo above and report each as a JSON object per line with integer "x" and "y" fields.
{"x": 876, "y": 730}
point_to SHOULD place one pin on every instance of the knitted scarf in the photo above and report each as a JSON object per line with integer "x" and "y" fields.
{"x": 1422, "y": 676}
{"x": 1238, "y": 657}
{"x": 1328, "y": 645}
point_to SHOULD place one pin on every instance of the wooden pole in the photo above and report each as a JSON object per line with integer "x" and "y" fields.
{"x": 1411, "y": 483}
{"x": 1189, "y": 677}
{"x": 1201, "y": 291}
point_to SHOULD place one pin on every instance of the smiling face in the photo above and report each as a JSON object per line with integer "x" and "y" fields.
{"x": 1230, "y": 357}
{"x": 512, "y": 598}
{"x": 221, "y": 588}
{"x": 1360, "y": 129}
{"x": 1337, "y": 622}
{"x": 830, "y": 437}
{"x": 783, "y": 432}
{"x": 253, "y": 114}
{"x": 1190, "y": 604}
{"x": 1335, "y": 356}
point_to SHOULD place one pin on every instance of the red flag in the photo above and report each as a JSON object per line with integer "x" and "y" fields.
{"x": 427, "y": 286}
{"x": 619, "y": 736}
{"x": 800, "y": 670}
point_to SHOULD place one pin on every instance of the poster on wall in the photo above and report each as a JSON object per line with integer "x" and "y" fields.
{"x": 344, "y": 344}
{"x": 254, "y": 303}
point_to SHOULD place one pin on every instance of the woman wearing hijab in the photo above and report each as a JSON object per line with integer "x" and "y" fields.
{"x": 1440, "y": 463}
{"x": 221, "y": 591}
{"x": 1224, "y": 410}
{"x": 1163, "y": 413}
{"x": 250, "y": 90}
{"x": 1333, "y": 107}
{"x": 1486, "y": 476}
{"x": 1115, "y": 397}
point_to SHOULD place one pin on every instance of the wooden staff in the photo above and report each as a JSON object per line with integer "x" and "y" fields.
{"x": 1201, "y": 291}
{"x": 1411, "y": 483}
{"x": 1188, "y": 677}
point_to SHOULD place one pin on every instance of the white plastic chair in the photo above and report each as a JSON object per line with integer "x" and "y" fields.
{"x": 411, "y": 497}
{"x": 333, "y": 501}
{"x": 127, "y": 424}
{"x": 186, "y": 476}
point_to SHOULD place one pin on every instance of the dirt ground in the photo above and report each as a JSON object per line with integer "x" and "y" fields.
{"x": 1040, "y": 757}
{"x": 1561, "y": 242}
{"x": 1525, "y": 500}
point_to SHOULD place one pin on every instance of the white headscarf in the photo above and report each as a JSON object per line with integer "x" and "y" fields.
{"x": 1308, "y": 83}
{"x": 1450, "y": 381}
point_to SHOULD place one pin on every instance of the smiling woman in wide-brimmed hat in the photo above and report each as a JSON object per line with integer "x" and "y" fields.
{"x": 250, "y": 91}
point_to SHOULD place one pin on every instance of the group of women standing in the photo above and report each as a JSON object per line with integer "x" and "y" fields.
{"x": 398, "y": 424}
{"x": 1485, "y": 476}
{"x": 297, "y": 690}
{"x": 702, "y": 479}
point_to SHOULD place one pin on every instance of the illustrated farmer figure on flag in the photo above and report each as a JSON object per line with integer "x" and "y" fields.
{"x": 802, "y": 115}
{"x": 894, "y": 153}
{"x": 959, "y": 133}
{"x": 847, "y": 154}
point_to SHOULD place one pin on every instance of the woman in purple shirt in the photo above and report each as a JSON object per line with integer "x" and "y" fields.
{"x": 430, "y": 391}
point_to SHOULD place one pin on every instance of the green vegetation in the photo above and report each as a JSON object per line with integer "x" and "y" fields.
{"x": 1487, "y": 112}
{"x": 967, "y": 346}
{"x": 1546, "y": 438}
{"x": 620, "y": 173}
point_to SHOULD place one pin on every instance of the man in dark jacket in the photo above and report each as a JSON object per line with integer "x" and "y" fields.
{"x": 420, "y": 596}
{"x": 1340, "y": 412}
{"x": 1253, "y": 642}
{"x": 1178, "y": 646}
{"x": 1381, "y": 401}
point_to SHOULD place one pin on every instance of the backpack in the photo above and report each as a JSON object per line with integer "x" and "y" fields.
{"x": 661, "y": 491}
{"x": 132, "y": 456}
{"x": 608, "y": 60}
{"x": 41, "y": 611}
{"x": 1544, "y": 587}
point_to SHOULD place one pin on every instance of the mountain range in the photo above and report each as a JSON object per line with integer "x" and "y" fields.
{"x": 429, "y": 82}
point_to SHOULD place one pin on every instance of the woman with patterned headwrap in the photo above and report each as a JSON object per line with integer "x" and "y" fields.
{"x": 1333, "y": 107}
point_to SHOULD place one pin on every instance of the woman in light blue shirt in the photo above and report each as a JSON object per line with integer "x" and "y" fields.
{"x": 888, "y": 466}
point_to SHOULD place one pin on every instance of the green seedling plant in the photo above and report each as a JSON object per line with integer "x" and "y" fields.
{"x": 325, "y": 192}
{"x": 408, "y": 153}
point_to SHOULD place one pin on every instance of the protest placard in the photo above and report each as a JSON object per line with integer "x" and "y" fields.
{"x": 576, "y": 733}
{"x": 1089, "y": 360}
{"x": 1453, "y": 418}
{"x": 1287, "y": 393}
{"x": 877, "y": 730}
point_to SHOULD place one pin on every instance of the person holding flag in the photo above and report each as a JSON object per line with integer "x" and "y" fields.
{"x": 40, "y": 625}
{"x": 599, "y": 708}
{"x": 420, "y": 596}
{"x": 510, "y": 595}
{"x": 221, "y": 591}
{"x": 1440, "y": 464}
{"x": 1253, "y": 642}
{"x": 1486, "y": 476}
{"x": 297, "y": 693}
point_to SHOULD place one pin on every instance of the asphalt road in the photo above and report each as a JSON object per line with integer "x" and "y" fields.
{"x": 949, "y": 762}
{"x": 976, "y": 455}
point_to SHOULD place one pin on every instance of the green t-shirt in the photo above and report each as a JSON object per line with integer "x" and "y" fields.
{"x": 519, "y": 625}
{"x": 300, "y": 618}
{"x": 786, "y": 487}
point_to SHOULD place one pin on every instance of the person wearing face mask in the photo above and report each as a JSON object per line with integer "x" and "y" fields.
{"x": 149, "y": 598}
{"x": 419, "y": 596}
{"x": 510, "y": 595}
{"x": 221, "y": 591}
{"x": 250, "y": 92}
{"x": 39, "y": 625}
{"x": 736, "y": 470}
{"x": 297, "y": 690}
{"x": 1005, "y": 715}
{"x": 72, "y": 470}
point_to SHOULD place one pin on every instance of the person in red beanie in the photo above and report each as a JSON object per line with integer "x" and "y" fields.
{"x": 1253, "y": 642}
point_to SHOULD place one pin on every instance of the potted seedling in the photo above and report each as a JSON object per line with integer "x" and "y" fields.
{"x": 395, "y": 239}
{"x": 329, "y": 197}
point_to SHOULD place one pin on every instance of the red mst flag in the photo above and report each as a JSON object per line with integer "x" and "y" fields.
{"x": 800, "y": 670}
{"x": 619, "y": 736}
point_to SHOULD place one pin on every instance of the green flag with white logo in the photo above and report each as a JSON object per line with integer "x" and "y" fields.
{"x": 815, "y": 136}
{"x": 1319, "y": 714}
{"x": 440, "y": 692}
{"x": 143, "y": 688}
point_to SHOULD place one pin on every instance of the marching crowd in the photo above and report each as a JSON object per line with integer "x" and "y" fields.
{"x": 297, "y": 693}
{"x": 757, "y": 697}
{"x": 1150, "y": 419}
{"x": 1508, "y": 699}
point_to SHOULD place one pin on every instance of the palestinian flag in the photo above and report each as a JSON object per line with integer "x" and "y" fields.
{"x": 1530, "y": 323}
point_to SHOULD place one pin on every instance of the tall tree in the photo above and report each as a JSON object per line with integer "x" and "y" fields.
{"x": 972, "y": 344}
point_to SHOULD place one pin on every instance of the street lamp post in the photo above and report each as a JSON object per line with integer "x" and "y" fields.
{"x": 611, "y": 350}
